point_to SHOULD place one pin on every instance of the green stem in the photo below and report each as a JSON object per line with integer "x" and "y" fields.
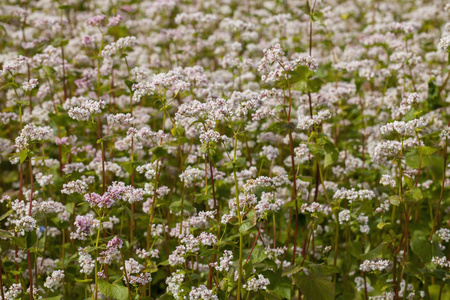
{"x": 95, "y": 295}
{"x": 241, "y": 237}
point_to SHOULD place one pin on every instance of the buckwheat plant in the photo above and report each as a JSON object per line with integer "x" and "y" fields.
{"x": 224, "y": 149}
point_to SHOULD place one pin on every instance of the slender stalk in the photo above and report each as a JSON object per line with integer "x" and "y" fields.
{"x": 442, "y": 191}
{"x": 1, "y": 279}
{"x": 254, "y": 243}
{"x": 127, "y": 281}
{"x": 95, "y": 294}
{"x": 241, "y": 236}
{"x": 30, "y": 273}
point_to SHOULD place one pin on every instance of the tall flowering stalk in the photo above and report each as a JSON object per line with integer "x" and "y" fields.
{"x": 224, "y": 150}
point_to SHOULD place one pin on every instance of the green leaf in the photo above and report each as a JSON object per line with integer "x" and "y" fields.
{"x": 291, "y": 270}
{"x": 277, "y": 127}
{"x": 434, "y": 98}
{"x": 331, "y": 152}
{"x": 202, "y": 197}
{"x": 307, "y": 9}
{"x": 20, "y": 241}
{"x": 128, "y": 166}
{"x": 314, "y": 287}
{"x": 414, "y": 195}
{"x": 395, "y": 200}
{"x": 426, "y": 150}
{"x": 177, "y": 206}
{"x": 6, "y": 214}
{"x": 31, "y": 238}
{"x": 423, "y": 248}
{"x": 382, "y": 225}
{"x": 279, "y": 285}
{"x": 158, "y": 152}
{"x": 83, "y": 280}
{"x": 54, "y": 297}
{"x": 258, "y": 255}
{"x": 316, "y": 15}
{"x": 61, "y": 119}
{"x": 23, "y": 155}
{"x": 23, "y": 102}
{"x": 228, "y": 165}
{"x": 329, "y": 160}
{"x": 114, "y": 291}
{"x": 4, "y": 234}
{"x": 129, "y": 84}
{"x": 246, "y": 225}
{"x": 373, "y": 253}
{"x": 108, "y": 137}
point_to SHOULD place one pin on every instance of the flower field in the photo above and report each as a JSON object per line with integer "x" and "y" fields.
{"x": 224, "y": 149}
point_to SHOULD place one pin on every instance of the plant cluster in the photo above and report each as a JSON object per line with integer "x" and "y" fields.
{"x": 224, "y": 149}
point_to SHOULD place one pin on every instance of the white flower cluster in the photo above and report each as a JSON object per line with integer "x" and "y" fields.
{"x": 387, "y": 180}
{"x": 312, "y": 208}
{"x": 364, "y": 221}
{"x": 386, "y": 149}
{"x": 122, "y": 43}
{"x": 267, "y": 203}
{"x": 225, "y": 261}
{"x": 353, "y": 195}
{"x": 86, "y": 225}
{"x": 15, "y": 64}
{"x": 43, "y": 180}
{"x": 384, "y": 207}
{"x": 262, "y": 113}
{"x": 270, "y": 152}
{"x": 271, "y": 56}
{"x": 191, "y": 175}
{"x": 391, "y": 149}
{"x": 375, "y": 265}
{"x": 252, "y": 184}
{"x": 133, "y": 267}
{"x": 302, "y": 153}
{"x": 29, "y": 85}
{"x": 25, "y": 224}
{"x": 120, "y": 120}
{"x": 32, "y": 133}
{"x": 275, "y": 252}
{"x": 73, "y": 167}
{"x": 190, "y": 244}
{"x": 173, "y": 80}
{"x": 306, "y": 122}
{"x": 444, "y": 234}
{"x": 202, "y": 293}
{"x": 274, "y": 56}
{"x": 201, "y": 220}
{"x": 256, "y": 284}
{"x": 14, "y": 291}
{"x": 344, "y": 216}
{"x": 403, "y": 128}
{"x": 212, "y": 136}
{"x": 86, "y": 262}
{"x": 444, "y": 44}
{"x": 55, "y": 280}
{"x": 360, "y": 285}
{"x": 76, "y": 186}
{"x": 408, "y": 102}
{"x": 6, "y": 117}
{"x": 307, "y": 61}
{"x": 207, "y": 238}
{"x": 86, "y": 109}
{"x": 173, "y": 283}
{"x": 441, "y": 261}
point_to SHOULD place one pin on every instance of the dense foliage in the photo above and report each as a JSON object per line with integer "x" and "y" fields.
{"x": 224, "y": 149}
